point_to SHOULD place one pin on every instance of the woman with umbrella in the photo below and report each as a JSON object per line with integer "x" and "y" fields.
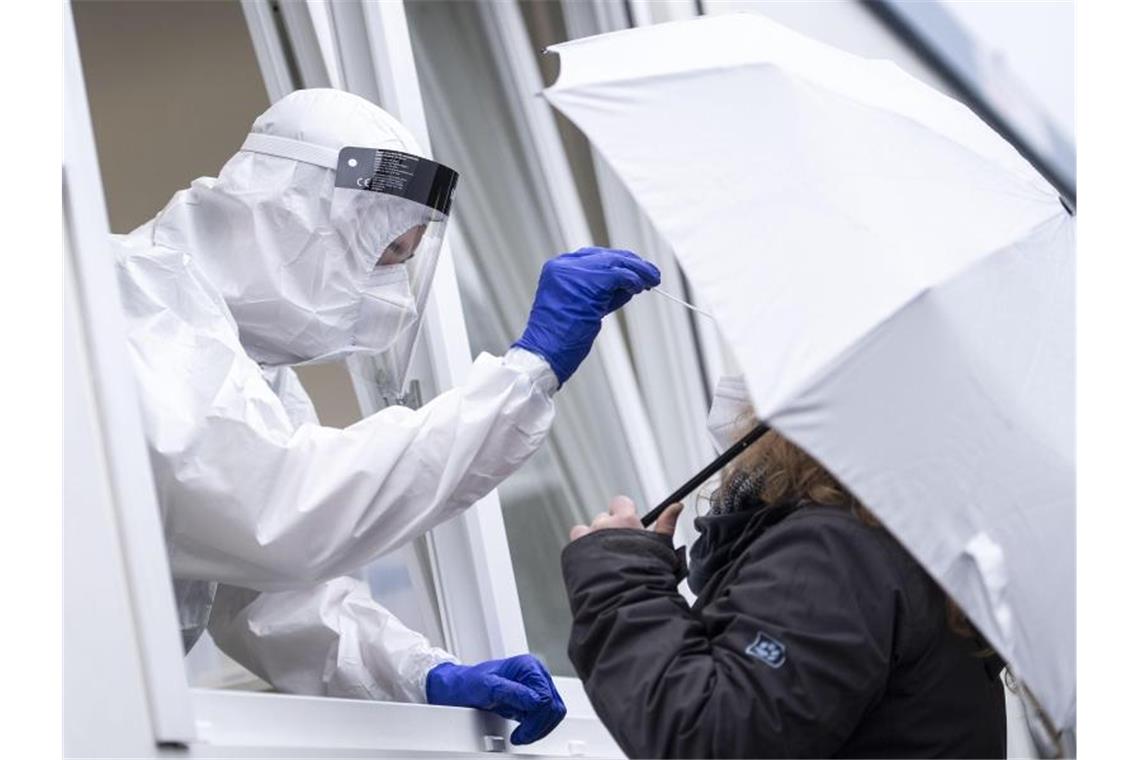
{"x": 814, "y": 633}
{"x": 895, "y": 282}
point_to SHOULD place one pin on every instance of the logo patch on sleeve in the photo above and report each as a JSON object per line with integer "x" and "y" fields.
{"x": 767, "y": 650}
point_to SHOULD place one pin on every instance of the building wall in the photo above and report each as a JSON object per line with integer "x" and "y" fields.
{"x": 173, "y": 88}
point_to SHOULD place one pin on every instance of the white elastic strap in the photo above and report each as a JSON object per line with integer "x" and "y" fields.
{"x": 285, "y": 147}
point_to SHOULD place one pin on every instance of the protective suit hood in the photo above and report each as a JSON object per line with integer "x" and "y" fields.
{"x": 294, "y": 258}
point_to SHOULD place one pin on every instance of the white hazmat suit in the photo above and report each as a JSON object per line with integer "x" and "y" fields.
{"x": 236, "y": 278}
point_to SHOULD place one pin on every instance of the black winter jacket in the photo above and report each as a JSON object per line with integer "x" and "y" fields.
{"x": 819, "y": 636}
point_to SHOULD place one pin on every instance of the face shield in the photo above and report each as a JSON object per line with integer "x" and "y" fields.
{"x": 356, "y": 258}
{"x": 405, "y": 201}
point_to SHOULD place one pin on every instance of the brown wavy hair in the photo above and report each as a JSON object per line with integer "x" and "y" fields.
{"x": 792, "y": 476}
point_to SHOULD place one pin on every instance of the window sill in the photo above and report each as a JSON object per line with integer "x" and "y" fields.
{"x": 231, "y": 721}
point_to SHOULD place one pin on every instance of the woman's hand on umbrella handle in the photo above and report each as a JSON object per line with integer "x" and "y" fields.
{"x": 623, "y": 514}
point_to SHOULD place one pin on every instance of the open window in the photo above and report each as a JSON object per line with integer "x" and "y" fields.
{"x": 458, "y": 578}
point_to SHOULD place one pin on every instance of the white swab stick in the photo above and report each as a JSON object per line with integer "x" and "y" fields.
{"x": 684, "y": 303}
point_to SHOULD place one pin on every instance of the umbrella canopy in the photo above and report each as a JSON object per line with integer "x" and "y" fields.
{"x": 896, "y": 282}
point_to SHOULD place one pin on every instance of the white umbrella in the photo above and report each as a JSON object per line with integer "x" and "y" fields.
{"x": 894, "y": 279}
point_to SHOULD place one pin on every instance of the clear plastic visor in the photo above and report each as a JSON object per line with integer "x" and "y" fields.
{"x": 410, "y": 201}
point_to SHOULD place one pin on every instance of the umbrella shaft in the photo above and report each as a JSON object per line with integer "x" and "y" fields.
{"x": 693, "y": 483}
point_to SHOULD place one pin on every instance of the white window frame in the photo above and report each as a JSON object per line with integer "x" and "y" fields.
{"x": 476, "y": 577}
{"x": 511, "y": 49}
{"x": 126, "y": 461}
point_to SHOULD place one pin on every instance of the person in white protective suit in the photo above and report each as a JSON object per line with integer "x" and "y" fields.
{"x": 317, "y": 241}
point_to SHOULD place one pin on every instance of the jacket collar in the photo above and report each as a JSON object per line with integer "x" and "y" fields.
{"x": 724, "y": 537}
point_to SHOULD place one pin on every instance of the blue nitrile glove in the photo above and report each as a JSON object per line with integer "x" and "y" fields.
{"x": 517, "y": 688}
{"x": 575, "y": 290}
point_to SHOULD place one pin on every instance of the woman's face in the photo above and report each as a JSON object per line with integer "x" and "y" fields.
{"x": 402, "y": 248}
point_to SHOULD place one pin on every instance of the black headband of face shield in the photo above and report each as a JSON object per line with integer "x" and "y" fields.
{"x": 404, "y": 175}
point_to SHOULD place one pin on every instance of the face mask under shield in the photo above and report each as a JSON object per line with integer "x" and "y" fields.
{"x": 407, "y": 198}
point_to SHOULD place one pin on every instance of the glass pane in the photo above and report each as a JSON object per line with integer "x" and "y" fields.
{"x": 504, "y": 230}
